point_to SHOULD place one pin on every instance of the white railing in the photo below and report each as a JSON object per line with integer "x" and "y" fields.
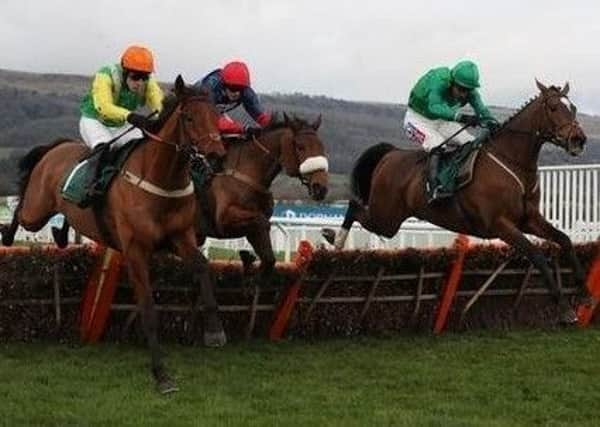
{"x": 570, "y": 200}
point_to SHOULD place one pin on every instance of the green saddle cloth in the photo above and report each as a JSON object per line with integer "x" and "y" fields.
{"x": 77, "y": 181}
{"x": 450, "y": 166}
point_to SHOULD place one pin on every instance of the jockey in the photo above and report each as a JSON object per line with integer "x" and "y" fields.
{"x": 228, "y": 87}
{"x": 433, "y": 114}
{"x": 107, "y": 110}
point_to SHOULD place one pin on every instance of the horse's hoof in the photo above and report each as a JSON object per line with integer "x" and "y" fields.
{"x": 568, "y": 317}
{"x": 329, "y": 235}
{"x": 167, "y": 386}
{"x": 215, "y": 339}
{"x": 60, "y": 238}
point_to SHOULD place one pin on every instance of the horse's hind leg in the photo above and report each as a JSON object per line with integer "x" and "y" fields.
{"x": 353, "y": 213}
{"x": 9, "y": 230}
{"x": 61, "y": 235}
{"x": 508, "y": 232}
{"x": 536, "y": 224}
{"x": 376, "y": 218}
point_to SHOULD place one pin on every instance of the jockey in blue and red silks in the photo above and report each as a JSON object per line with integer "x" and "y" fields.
{"x": 229, "y": 87}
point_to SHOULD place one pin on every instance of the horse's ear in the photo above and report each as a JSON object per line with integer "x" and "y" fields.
{"x": 317, "y": 123}
{"x": 565, "y": 89}
{"x": 286, "y": 120}
{"x": 540, "y": 86}
{"x": 179, "y": 85}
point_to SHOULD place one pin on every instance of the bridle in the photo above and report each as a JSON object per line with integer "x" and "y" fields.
{"x": 183, "y": 142}
{"x": 551, "y": 135}
{"x": 277, "y": 163}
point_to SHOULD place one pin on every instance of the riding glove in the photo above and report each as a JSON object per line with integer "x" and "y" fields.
{"x": 138, "y": 120}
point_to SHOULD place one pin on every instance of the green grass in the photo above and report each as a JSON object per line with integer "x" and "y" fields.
{"x": 492, "y": 379}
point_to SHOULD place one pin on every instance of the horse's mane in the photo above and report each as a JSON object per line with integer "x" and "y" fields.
{"x": 171, "y": 101}
{"x": 523, "y": 108}
{"x": 278, "y": 122}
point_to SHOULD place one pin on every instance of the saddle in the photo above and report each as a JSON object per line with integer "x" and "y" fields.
{"x": 95, "y": 169}
{"x": 455, "y": 169}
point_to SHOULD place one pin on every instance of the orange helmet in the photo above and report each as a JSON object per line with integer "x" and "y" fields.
{"x": 137, "y": 58}
{"x": 236, "y": 74}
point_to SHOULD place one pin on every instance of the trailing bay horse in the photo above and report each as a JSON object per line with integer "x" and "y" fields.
{"x": 502, "y": 200}
{"x": 150, "y": 205}
{"x": 238, "y": 202}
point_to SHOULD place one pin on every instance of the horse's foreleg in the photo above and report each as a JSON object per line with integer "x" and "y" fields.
{"x": 260, "y": 240}
{"x": 508, "y": 232}
{"x": 138, "y": 258}
{"x": 536, "y": 224}
{"x": 214, "y": 335}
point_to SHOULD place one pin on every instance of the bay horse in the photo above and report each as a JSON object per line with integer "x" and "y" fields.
{"x": 150, "y": 205}
{"x": 502, "y": 200}
{"x": 238, "y": 202}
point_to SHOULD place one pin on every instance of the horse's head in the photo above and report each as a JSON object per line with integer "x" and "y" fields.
{"x": 559, "y": 123}
{"x": 303, "y": 155}
{"x": 195, "y": 119}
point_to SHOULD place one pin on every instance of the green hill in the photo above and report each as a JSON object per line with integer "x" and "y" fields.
{"x": 37, "y": 108}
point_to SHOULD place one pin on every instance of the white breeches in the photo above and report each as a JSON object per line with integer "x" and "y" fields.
{"x": 93, "y": 132}
{"x": 431, "y": 133}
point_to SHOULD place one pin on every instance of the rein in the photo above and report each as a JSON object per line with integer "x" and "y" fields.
{"x": 245, "y": 179}
{"x": 183, "y": 143}
{"x": 538, "y": 136}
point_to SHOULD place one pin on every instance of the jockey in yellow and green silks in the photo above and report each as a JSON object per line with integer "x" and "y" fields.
{"x": 118, "y": 90}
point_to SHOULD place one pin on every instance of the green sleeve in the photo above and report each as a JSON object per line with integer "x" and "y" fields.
{"x": 437, "y": 105}
{"x": 480, "y": 109}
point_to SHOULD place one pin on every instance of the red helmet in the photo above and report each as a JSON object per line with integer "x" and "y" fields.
{"x": 236, "y": 74}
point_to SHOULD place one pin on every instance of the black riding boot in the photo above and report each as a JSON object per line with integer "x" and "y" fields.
{"x": 93, "y": 187}
{"x": 432, "y": 182}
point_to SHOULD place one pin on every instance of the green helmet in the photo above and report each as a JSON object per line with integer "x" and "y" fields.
{"x": 466, "y": 74}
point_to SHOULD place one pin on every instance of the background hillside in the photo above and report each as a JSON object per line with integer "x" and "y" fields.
{"x": 37, "y": 108}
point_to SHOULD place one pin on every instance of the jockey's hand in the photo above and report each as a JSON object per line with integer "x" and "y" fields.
{"x": 468, "y": 119}
{"x": 138, "y": 120}
{"x": 492, "y": 124}
{"x": 252, "y": 131}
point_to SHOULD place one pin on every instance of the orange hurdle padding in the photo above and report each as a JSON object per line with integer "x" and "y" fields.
{"x": 99, "y": 295}
{"x": 451, "y": 286}
{"x": 586, "y": 313}
{"x": 284, "y": 311}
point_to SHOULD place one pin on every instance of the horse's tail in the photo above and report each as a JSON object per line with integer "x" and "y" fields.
{"x": 29, "y": 160}
{"x": 362, "y": 171}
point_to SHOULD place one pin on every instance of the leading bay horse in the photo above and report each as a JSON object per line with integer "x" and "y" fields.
{"x": 238, "y": 202}
{"x": 502, "y": 201}
{"x": 150, "y": 205}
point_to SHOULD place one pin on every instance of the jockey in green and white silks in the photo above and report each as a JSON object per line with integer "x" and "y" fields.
{"x": 433, "y": 113}
{"x": 117, "y": 91}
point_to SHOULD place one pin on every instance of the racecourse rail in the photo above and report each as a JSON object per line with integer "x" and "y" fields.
{"x": 570, "y": 199}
